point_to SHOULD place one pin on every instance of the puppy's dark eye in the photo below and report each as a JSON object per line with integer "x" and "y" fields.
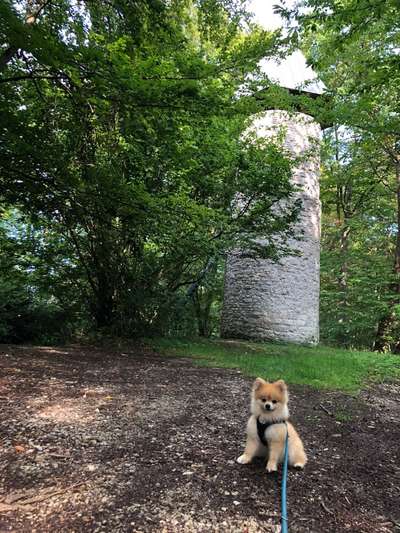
{"x": 263, "y": 400}
{"x": 274, "y": 401}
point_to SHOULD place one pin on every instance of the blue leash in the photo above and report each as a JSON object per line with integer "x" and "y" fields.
{"x": 284, "y": 518}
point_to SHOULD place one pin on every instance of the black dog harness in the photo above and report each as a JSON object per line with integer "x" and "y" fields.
{"x": 262, "y": 426}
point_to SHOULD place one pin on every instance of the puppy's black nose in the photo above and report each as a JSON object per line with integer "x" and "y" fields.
{"x": 267, "y": 407}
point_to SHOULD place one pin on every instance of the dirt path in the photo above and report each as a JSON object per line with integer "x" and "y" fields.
{"x": 94, "y": 440}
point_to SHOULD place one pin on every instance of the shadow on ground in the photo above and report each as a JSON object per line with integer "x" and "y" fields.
{"x": 96, "y": 440}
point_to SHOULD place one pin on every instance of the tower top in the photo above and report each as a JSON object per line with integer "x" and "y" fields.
{"x": 294, "y": 74}
{"x": 291, "y": 73}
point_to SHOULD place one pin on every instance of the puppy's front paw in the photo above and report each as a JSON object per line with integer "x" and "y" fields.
{"x": 271, "y": 467}
{"x": 243, "y": 459}
{"x": 299, "y": 466}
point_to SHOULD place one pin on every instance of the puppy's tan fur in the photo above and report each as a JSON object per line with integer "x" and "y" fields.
{"x": 269, "y": 403}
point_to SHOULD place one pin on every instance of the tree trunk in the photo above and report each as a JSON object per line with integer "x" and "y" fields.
{"x": 103, "y": 304}
{"x": 103, "y": 308}
{"x": 344, "y": 246}
{"x": 344, "y": 211}
{"x": 202, "y": 310}
{"x": 344, "y": 196}
{"x": 383, "y": 341}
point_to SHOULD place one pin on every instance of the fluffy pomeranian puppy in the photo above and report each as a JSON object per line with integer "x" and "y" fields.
{"x": 266, "y": 428}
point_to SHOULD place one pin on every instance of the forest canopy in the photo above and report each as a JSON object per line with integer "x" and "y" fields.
{"x": 123, "y": 164}
{"x": 122, "y": 158}
{"x": 354, "y": 47}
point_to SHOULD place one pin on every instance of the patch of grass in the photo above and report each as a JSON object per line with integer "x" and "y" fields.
{"x": 320, "y": 367}
{"x": 343, "y": 416}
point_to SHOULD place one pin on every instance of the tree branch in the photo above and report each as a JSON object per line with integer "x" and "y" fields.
{"x": 30, "y": 76}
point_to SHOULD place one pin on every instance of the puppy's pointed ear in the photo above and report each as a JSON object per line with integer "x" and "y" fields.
{"x": 281, "y": 385}
{"x": 257, "y": 384}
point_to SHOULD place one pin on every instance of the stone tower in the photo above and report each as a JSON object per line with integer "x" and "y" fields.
{"x": 280, "y": 301}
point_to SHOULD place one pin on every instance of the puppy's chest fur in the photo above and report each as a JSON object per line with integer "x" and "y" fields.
{"x": 270, "y": 428}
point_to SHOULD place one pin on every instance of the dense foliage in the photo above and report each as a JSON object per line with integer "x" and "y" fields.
{"x": 354, "y": 47}
{"x": 125, "y": 176}
{"x": 122, "y": 156}
{"x": 358, "y": 240}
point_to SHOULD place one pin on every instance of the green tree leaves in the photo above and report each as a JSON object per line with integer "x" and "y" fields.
{"x": 122, "y": 135}
{"x": 353, "y": 45}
